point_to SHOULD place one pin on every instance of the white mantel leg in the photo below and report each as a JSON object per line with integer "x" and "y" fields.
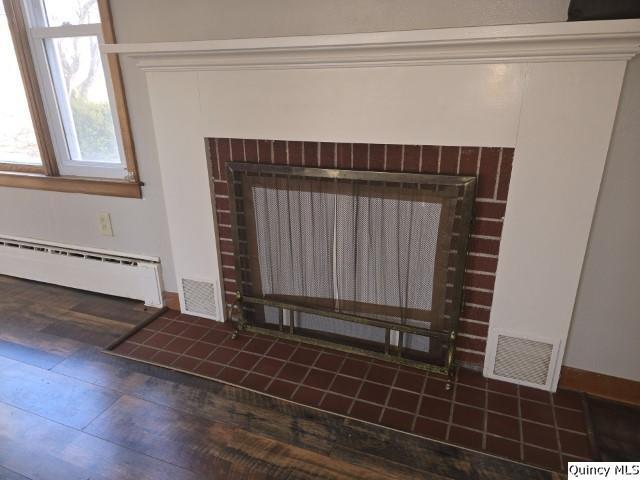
{"x": 563, "y": 137}
{"x": 177, "y": 122}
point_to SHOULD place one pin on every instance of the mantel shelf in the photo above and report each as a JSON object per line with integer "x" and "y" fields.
{"x": 542, "y": 42}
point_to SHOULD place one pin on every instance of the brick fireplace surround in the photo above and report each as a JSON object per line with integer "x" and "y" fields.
{"x": 491, "y": 166}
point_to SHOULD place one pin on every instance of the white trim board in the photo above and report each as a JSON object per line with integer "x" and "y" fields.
{"x": 542, "y": 42}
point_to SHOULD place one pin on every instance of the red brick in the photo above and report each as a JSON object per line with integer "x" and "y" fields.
{"x": 469, "y": 161}
{"x": 467, "y": 343}
{"x": 223, "y": 217}
{"x": 279, "y": 152}
{"x": 479, "y": 281}
{"x": 264, "y": 151}
{"x": 237, "y": 150}
{"x": 295, "y": 153}
{"x": 221, "y": 188}
{"x": 222, "y": 203}
{"x": 412, "y": 158}
{"x": 328, "y": 155}
{"x": 230, "y": 285}
{"x": 476, "y": 313}
{"x": 430, "y": 154}
{"x": 481, "y": 264}
{"x": 470, "y": 357}
{"x": 488, "y": 173}
{"x": 224, "y": 232}
{"x": 228, "y": 274}
{"x": 310, "y": 154}
{"x": 229, "y": 271}
{"x": 504, "y": 177}
{"x": 477, "y": 297}
{"x": 484, "y": 245}
{"x": 489, "y": 209}
{"x": 226, "y": 246}
{"x": 230, "y": 298}
{"x": 471, "y": 328}
{"x": 376, "y": 157}
{"x": 224, "y": 156}
{"x": 394, "y": 158}
{"x": 489, "y": 228}
{"x": 227, "y": 260}
{"x": 449, "y": 160}
{"x": 344, "y": 155}
{"x": 251, "y": 151}
{"x": 361, "y": 156}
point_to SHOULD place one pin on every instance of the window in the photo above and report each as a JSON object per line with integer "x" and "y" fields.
{"x": 62, "y": 110}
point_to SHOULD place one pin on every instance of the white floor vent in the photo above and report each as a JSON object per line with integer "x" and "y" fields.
{"x": 94, "y": 270}
{"x": 199, "y": 298}
{"x": 525, "y": 361}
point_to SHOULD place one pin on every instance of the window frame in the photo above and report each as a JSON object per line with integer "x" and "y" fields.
{"x": 48, "y": 176}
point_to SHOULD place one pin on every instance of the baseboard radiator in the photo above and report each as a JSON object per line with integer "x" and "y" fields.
{"x": 94, "y": 270}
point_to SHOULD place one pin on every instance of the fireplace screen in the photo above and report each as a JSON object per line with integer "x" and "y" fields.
{"x": 364, "y": 261}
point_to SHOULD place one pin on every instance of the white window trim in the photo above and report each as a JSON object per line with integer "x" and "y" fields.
{"x": 59, "y": 115}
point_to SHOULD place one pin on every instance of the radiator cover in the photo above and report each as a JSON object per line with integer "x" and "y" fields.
{"x": 94, "y": 270}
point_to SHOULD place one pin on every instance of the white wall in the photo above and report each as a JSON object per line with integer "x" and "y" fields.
{"x": 164, "y": 20}
{"x": 606, "y": 325}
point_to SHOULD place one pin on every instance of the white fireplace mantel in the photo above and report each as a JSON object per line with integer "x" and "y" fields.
{"x": 549, "y": 90}
{"x": 543, "y": 42}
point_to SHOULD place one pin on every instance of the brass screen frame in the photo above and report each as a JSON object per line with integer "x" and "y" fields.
{"x": 242, "y": 177}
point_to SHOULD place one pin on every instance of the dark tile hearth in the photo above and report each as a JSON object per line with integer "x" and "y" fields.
{"x": 517, "y": 423}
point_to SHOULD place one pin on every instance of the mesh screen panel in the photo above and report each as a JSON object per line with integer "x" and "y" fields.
{"x": 386, "y": 250}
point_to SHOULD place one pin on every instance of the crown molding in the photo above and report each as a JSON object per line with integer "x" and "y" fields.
{"x": 542, "y": 42}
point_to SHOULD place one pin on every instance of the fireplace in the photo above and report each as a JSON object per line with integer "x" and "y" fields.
{"x": 548, "y": 91}
{"x": 245, "y": 168}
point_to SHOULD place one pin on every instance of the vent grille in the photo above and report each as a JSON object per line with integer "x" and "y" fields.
{"x": 199, "y": 298}
{"x": 522, "y": 359}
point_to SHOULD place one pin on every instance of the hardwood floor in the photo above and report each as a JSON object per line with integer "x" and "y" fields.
{"x": 70, "y": 411}
{"x": 615, "y": 428}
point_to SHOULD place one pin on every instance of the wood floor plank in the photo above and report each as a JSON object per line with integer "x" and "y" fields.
{"x": 67, "y": 313}
{"x": 211, "y": 448}
{"x": 6, "y": 474}
{"x": 52, "y": 295}
{"x": 616, "y": 430}
{"x": 56, "y": 397}
{"x": 18, "y": 312}
{"x": 29, "y": 355}
{"x": 82, "y": 327}
{"x": 15, "y": 332}
{"x": 111, "y": 308}
{"x": 38, "y": 448}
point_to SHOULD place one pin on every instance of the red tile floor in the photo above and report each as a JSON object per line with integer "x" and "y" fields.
{"x": 500, "y": 418}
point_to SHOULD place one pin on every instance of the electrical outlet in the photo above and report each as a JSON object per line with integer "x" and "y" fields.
{"x": 105, "y": 224}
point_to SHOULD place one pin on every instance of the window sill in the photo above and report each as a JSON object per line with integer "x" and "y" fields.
{"x": 89, "y": 186}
